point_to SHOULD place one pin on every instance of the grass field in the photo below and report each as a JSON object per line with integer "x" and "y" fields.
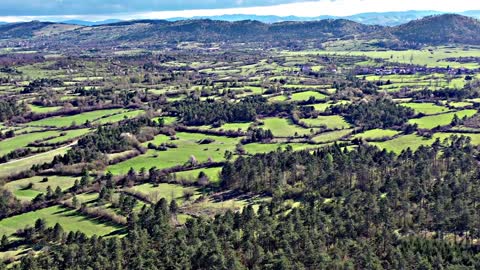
{"x": 22, "y": 190}
{"x": 167, "y": 191}
{"x": 331, "y": 136}
{"x": 475, "y": 138}
{"x": 119, "y": 117}
{"x": 429, "y": 122}
{"x": 210, "y": 207}
{"x": 71, "y": 134}
{"x": 24, "y": 164}
{"x": 70, "y": 220}
{"x": 256, "y": 148}
{"x": 460, "y": 104}
{"x": 418, "y": 57}
{"x": 321, "y": 107}
{"x": 302, "y": 96}
{"x": 64, "y": 121}
{"x": 329, "y": 121}
{"x": 192, "y": 175}
{"x": 282, "y": 127}
{"x": 187, "y": 146}
{"x": 21, "y": 141}
{"x": 411, "y": 141}
{"x": 40, "y": 109}
{"x": 230, "y": 126}
{"x": 432, "y": 81}
{"x": 426, "y": 108}
{"x": 376, "y": 134}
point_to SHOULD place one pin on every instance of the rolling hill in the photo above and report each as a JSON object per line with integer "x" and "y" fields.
{"x": 442, "y": 29}
{"x": 432, "y": 30}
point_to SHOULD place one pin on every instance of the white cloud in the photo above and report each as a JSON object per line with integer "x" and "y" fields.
{"x": 304, "y": 9}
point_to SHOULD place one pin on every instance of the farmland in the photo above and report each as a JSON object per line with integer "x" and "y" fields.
{"x": 429, "y": 122}
{"x": 340, "y": 148}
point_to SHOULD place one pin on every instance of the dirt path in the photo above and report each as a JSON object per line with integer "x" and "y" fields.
{"x": 40, "y": 154}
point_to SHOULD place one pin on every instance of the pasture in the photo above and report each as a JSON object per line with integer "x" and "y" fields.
{"x": 79, "y": 119}
{"x": 71, "y": 220}
{"x": 432, "y": 121}
{"x": 397, "y": 145}
{"x": 188, "y": 146}
{"x": 328, "y": 121}
{"x": 377, "y": 134}
{"x": 426, "y": 108}
{"x": 23, "y": 164}
{"x": 168, "y": 192}
{"x": 282, "y": 127}
{"x": 26, "y": 189}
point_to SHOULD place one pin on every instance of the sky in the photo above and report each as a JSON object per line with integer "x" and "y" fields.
{"x": 96, "y": 10}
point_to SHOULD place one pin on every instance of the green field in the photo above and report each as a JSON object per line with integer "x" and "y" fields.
{"x": 434, "y": 81}
{"x": 230, "y": 126}
{"x": 167, "y": 191}
{"x": 329, "y": 121}
{"x": 192, "y": 175}
{"x": 429, "y": 122}
{"x": 256, "y": 148}
{"x": 411, "y": 141}
{"x": 40, "y": 109}
{"x": 79, "y": 119}
{"x": 460, "y": 104}
{"x": 188, "y": 146}
{"x": 119, "y": 117}
{"x": 24, "y": 164}
{"x": 426, "y": 108}
{"x": 418, "y": 57}
{"x": 302, "y": 96}
{"x": 475, "y": 137}
{"x": 377, "y": 134}
{"x": 282, "y": 127}
{"x": 321, "y": 107}
{"x": 22, "y": 190}
{"x": 69, "y": 135}
{"x": 70, "y": 220}
{"x": 21, "y": 141}
{"x": 331, "y": 136}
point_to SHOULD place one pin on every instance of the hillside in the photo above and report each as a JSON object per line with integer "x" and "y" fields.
{"x": 442, "y": 29}
{"x": 218, "y": 31}
{"x": 32, "y": 29}
{"x": 434, "y": 30}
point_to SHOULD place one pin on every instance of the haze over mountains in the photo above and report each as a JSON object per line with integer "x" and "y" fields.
{"x": 433, "y": 30}
{"x": 373, "y": 18}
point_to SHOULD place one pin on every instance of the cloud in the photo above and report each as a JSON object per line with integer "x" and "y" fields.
{"x": 83, "y": 7}
{"x": 109, "y": 9}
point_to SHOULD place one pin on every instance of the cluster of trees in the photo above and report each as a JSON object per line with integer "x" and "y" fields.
{"x": 17, "y": 153}
{"x": 378, "y": 113}
{"x": 10, "y": 107}
{"x": 446, "y": 93}
{"x": 106, "y": 139}
{"x": 210, "y": 112}
{"x": 258, "y": 135}
{"x": 40, "y": 83}
{"x": 432, "y": 189}
{"x": 8, "y": 203}
{"x": 357, "y": 233}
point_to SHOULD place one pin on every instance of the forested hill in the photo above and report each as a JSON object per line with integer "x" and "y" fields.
{"x": 441, "y": 30}
{"x": 433, "y": 30}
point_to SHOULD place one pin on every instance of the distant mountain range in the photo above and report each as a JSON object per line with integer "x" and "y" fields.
{"x": 444, "y": 29}
{"x": 382, "y": 18}
{"x": 90, "y": 23}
